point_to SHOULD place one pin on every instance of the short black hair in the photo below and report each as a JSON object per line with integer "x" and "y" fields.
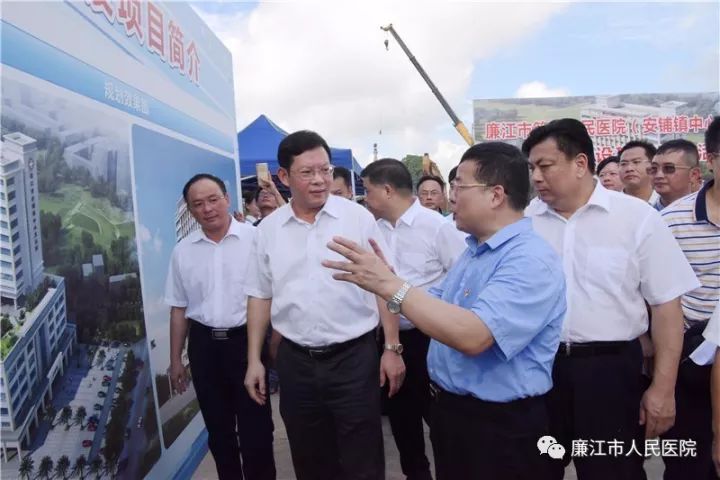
{"x": 606, "y": 162}
{"x": 712, "y": 136}
{"x": 452, "y": 174}
{"x": 571, "y": 136}
{"x": 650, "y": 149}
{"x": 344, "y": 173}
{"x": 499, "y": 163}
{"x": 248, "y": 196}
{"x": 258, "y": 189}
{"x": 435, "y": 178}
{"x": 298, "y": 143}
{"x": 388, "y": 171}
{"x": 203, "y": 176}
{"x": 688, "y": 149}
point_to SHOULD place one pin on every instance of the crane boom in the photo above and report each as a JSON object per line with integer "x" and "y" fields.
{"x": 459, "y": 125}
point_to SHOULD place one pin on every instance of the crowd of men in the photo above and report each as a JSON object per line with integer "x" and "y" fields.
{"x": 579, "y": 325}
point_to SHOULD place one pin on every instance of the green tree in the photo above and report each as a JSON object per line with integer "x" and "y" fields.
{"x": 50, "y": 413}
{"x": 26, "y": 467}
{"x": 65, "y": 416}
{"x": 45, "y": 468}
{"x": 80, "y": 415}
{"x": 79, "y": 467}
{"x": 414, "y": 164}
{"x": 62, "y": 466}
{"x": 5, "y": 324}
{"x": 96, "y": 467}
{"x": 111, "y": 461}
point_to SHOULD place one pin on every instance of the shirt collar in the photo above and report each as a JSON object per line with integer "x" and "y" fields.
{"x": 500, "y": 237}
{"x": 333, "y": 207}
{"x": 234, "y": 230}
{"x": 408, "y": 217}
{"x": 701, "y": 204}
{"x": 599, "y": 198}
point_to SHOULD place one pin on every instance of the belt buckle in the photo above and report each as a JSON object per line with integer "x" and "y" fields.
{"x": 220, "y": 333}
{"x": 316, "y": 352}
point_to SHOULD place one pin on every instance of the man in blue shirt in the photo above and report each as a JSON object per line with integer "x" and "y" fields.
{"x": 495, "y": 323}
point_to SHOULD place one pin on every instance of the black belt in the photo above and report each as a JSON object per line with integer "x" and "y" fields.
{"x": 468, "y": 401}
{"x": 327, "y": 350}
{"x": 220, "y": 333}
{"x": 588, "y": 349}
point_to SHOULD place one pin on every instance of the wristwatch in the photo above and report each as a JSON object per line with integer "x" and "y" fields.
{"x": 396, "y": 301}
{"x": 394, "y": 347}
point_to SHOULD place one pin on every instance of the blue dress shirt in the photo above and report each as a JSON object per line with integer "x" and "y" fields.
{"x": 514, "y": 283}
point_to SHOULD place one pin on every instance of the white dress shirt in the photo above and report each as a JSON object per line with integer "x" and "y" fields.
{"x": 616, "y": 251}
{"x": 309, "y": 306}
{"x": 705, "y": 353}
{"x": 208, "y": 278}
{"x": 712, "y": 330}
{"x": 425, "y": 245}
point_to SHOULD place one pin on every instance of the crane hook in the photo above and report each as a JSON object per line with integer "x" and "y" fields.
{"x": 386, "y": 44}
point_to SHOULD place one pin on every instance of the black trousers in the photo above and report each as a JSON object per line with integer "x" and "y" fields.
{"x": 475, "y": 439}
{"x": 237, "y": 426}
{"x": 693, "y": 418}
{"x": 407, "y": 409}
{"x": 331, "y": 409}
{"x": 597, "y": 398}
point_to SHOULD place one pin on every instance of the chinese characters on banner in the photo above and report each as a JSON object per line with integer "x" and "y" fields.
{"x": 145, "y": 21}
{"x": 608, "y": 127}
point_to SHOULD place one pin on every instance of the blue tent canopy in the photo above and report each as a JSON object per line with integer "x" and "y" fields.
{"x": 258, "y": 143}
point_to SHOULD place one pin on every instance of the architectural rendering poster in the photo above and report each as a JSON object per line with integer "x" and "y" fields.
{"x": 107, "y": 109}
{"x": 612, "y": 120}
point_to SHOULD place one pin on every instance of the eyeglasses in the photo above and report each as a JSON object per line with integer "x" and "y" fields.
{"x": 667, "y": 168}
{"x": 308, "y": 174}
{"x": 460, "y": 186}
{"x": 212, "y": 201}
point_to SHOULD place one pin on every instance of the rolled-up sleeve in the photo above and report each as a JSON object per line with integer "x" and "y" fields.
{"x": 175, "y": 295}
{"x": 259, "y": 278}
{"x": 665, "y": 273}
{"x": 522, "y": 296}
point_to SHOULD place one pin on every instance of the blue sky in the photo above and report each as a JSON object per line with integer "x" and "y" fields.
{"x": 321, "y": 65}
{"x": 599, "y": 48}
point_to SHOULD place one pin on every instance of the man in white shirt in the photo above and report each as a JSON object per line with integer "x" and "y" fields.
{"x": 617, "y": 253}
{"x": 425, "y": 245}
{"x": 327, "y": 361}
{"x": 208, "y": 306}
{"x": 635, "y": 158}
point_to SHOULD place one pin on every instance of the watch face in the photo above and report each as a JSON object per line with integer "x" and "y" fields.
{"x": 393, "y": 306}
{"x": 399, "y": 349}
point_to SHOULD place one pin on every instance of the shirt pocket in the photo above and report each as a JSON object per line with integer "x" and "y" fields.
{"x": 417, "y": 265}
{"x": 605, "y": 272}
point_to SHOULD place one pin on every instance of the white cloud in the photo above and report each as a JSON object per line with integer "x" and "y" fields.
{"x": 153, "y": 241}
{"x": 157, "y": 242}
{"x": 323, "y": 66}
{"x": 539, "y": 90}
{"x": 144, "y": 234}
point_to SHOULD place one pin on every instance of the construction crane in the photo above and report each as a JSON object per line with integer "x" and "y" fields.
{"x": 459, "y": 125}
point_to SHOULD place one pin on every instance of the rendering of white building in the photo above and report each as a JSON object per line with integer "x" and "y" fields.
{"x": 184, "y": 221}
{"x": 37, "y": 346}
{"x": 20, "y": 239}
